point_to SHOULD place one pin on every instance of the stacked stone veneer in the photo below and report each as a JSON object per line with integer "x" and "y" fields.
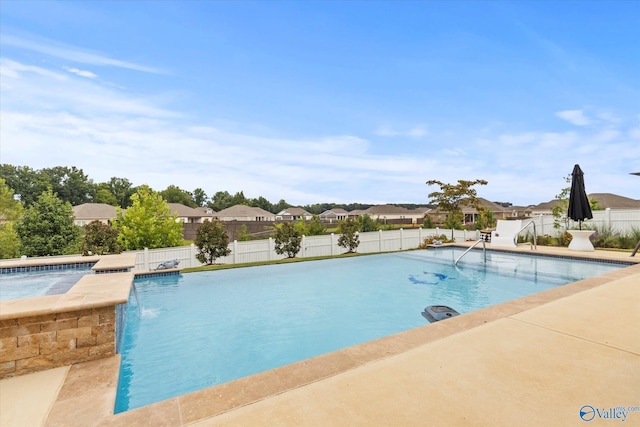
{"x": 46, "y": 341}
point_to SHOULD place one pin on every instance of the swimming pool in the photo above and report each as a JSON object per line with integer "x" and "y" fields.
{"x": 28, "y": 284}
{"x": 210, "y": 328}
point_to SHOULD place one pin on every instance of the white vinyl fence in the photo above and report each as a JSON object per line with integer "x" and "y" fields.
{"x": 312, "y": 246}
{"x": 624, "y": 221}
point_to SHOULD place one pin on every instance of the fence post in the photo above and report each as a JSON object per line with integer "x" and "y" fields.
{"x": 303, "y": 245}
{"x": 419, "y": 236}
{"x": 235, "y": 252}
{"x": 269, "y": 256}
{"x": 608, "y": 218}
{"x": 193, "y": 255}
{"x": 379, "y": 240}
{"x": 332, "y": 245}
{"x": 146, "y": 258}
{"x": 401, "y": 238}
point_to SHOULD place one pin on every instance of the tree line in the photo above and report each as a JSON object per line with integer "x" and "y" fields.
{"x": 72, "y": 185}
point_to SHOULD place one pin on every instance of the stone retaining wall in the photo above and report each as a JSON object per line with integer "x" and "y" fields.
{"x": 46, "y": 341}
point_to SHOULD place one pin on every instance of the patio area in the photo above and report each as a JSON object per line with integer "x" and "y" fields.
{"x": 561, "y": 357}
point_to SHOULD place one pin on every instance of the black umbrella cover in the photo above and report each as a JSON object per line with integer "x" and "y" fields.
{"x": 579, "y": 208}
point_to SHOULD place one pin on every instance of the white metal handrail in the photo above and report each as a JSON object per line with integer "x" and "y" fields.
{"x": 484, "y": 250}
{"x": 535, "y": 235}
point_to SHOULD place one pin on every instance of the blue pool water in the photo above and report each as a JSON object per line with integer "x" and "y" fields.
{"x": 38, "y": 283}
{"x": 196, "y": 330}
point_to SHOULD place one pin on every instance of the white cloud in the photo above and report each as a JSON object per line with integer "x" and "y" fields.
{"x": 49, "y": 118}
{"x": 575, "y": 117}
{"x": 414, "y": 132}
{"x": 72, "y": 53}
{"x": 81, "y": 73}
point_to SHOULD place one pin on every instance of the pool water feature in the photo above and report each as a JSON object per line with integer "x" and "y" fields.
{"x": 212, "y": 327}
{"x": 38, "y": 283}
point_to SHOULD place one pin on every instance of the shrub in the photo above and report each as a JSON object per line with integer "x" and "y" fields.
{"x": 429, "y": 240}
{"x": 287, "y": 239}
{"x": 349, "y": 238}
{"x": 100, "y": 239}
{"x": 212, "y": 241}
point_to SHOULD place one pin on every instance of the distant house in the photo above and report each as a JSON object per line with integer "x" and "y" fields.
{"x": 88, "y": 212}
{"x": 545, "y": 208}
{"x": 245, "y": 213}
{"x": 471, "y": 213}
{"x": 613, "y": 201}
{"x": 605, "y": 201}
{"x": 384, "y": 213}
{"x": 333, "y": 215}
{"x": 188, "y": 214}
{"x": 293, "y": 214}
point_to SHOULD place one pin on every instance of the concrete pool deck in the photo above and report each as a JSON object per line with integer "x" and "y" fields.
{"x": 536, "y": 360}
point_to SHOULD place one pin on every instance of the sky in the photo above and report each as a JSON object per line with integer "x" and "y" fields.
{"x": 326, "y": 101}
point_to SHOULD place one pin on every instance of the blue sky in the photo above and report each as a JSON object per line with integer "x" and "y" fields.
{"x": 327, "y": 101}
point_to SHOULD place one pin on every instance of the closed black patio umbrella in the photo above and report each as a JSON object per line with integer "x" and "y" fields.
{"x": 579, "y": 208}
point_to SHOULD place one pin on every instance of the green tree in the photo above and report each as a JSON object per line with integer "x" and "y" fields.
{"x": 47, "y": 227}
{"x": 287, "y": 239}
{"x": 349, "y": 239}
{"x": 263, "y": 203}
{"x": 428, "y": 222}
{"x": 148, "y": 222}
{"x": 452, "y": 197}
{"x": 173, "y": 194}
{"x": 100, "y": 239}
{"x": 70, "y": 184}
{"x": 105, "y": 196}
{"x": 221, "y": 200}
{"x": 199, "y": 197}
{"x": 366, "y": 223}
{"x": 242, "y": 234}
{"x": 212, "y": 241}
{"x": 122, "y": 189}
{"x": 315, "y": 227}
{"x": 486, "y": 219}
{"x": 10, "y": 212}
{"x": 26, "y": 182}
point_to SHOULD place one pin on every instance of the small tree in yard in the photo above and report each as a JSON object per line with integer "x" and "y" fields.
{"x": 100, "y": 239}
{"x": 212, "y": 242}
{"x": 47, "y": 227}
{"x": 148, "y": 222}
{"x": 349, "y": 238}
{"x": 287, "y": 239}
{"x": 366, "y": 223}
{"x": 452, "y": 197}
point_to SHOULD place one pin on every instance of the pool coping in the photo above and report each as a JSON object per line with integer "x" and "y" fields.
{"x": 81, "y": 402}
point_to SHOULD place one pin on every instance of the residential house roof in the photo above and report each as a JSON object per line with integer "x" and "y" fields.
{"x": 613, "y": 201}
{"x": 244, "y": 211}
{"x": 206, "y": 212}
{"x": 94, "y": 211}
{"x": 293, "y": 211}
{"x": 184, "y": 211}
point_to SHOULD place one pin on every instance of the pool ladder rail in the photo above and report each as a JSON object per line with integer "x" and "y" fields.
{"x": 484, "y": 244}
{"x": 484, "y": 250}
